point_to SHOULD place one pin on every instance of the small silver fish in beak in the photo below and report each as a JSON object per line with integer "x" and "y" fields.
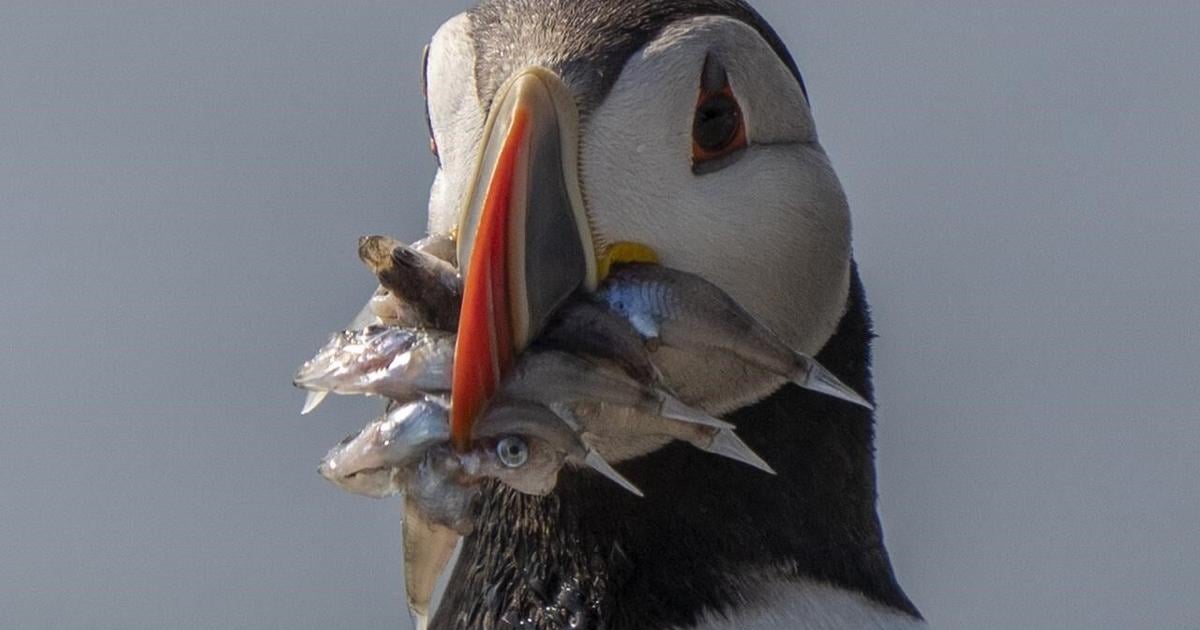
{"x": 377, "y": 460}
{"x": 585, "y": 327}
{"x": 407, "y": 451}
{"x": 687, "y": 319}
{"x": 552, "y": 377}
{"x": 386, "y": 361}
{"x": 525, "y": 444}
{"x": 377, "y": 483}
{"x": 385, "y": 308}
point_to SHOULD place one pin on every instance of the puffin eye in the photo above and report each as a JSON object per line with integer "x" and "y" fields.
{"x": 718, "y": 129}
{"x": 512, "y": 451}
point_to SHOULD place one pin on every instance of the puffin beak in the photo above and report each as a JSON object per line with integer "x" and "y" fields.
{"x": 524, "y": 241}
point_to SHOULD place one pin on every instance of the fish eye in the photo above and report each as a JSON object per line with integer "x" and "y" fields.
{"x": 512, "y": 451}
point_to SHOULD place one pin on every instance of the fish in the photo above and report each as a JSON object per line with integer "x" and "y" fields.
{"x": 422, "y": 281}
{"x": 552, "y": 377}
{"x": 407, "y": 451}
{"x": 699, "y": 337}
{"x": 388, "y": 361}
{"x": 620, "y": 433}
{"x": 378, "y": 460}
{"x": 365, "y": 317}
{"x": 525, "y": 444}
{"x": 585, "y": 327}
{"x": 392, "y": 309}
{"x": 591, "y": 390}
{"x": 377, "y": 483}
{"x": 555, "y": 380}
{"x": 618, "y": 416}
{"x": 385, "y": 308}
{"x": 521, "y": 443}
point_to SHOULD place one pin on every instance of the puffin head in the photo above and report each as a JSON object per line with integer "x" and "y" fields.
{"x": 571, "y": 135}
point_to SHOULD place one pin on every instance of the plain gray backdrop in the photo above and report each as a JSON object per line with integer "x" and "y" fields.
{"x": 182, "y": 184}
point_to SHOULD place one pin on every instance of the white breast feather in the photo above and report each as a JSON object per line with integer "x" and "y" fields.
{"x": 810, "y": 606}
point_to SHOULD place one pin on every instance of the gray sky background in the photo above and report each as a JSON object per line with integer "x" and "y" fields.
{"x": 181, "y": 186}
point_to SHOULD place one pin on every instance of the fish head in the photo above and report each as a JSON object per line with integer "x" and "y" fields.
{"x": 351, "y": 357}
{"x": 375, "y": 460}
{"x": 328, "y": 360}
{"x": 340, "y": 469}
{"x": 523, "y": 445}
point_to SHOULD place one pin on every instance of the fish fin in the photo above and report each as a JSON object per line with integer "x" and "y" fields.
{"x": 814, "y": 376}
{"x": 312, "y": 401}
{"x": 675, "y": 409}
{"x": 597, "y": 463}
{"x": 428, "y": 548}
{"x": 727, "y": 444}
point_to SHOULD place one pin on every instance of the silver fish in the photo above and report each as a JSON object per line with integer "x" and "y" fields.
{"x": 616, "y": 415}
{"x": 698, "y": 334}
{"x": 365, "y": 317}
{"x": 586, "y": 327}
{"x": 377, "y": 483}
{"x": 396, "y": 363}
{"x": 407, "y": 451}
{"x": 385, "y": 308}
{"x": 378, "y": 460}
{"x": 551, "y": 377}
{"x": 620, "y": 433}
{"x": 525, "y": 444}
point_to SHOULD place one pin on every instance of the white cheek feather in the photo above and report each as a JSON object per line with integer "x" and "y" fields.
{"x": 772, "y": 229}
{"x": 809, "y": 605}
{"x": 456, "y": 117}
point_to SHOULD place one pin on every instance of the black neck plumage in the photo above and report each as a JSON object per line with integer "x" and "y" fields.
{"x": 591, "y": 555}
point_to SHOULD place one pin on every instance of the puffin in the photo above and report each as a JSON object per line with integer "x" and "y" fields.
{"x": 574, "y": 135}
